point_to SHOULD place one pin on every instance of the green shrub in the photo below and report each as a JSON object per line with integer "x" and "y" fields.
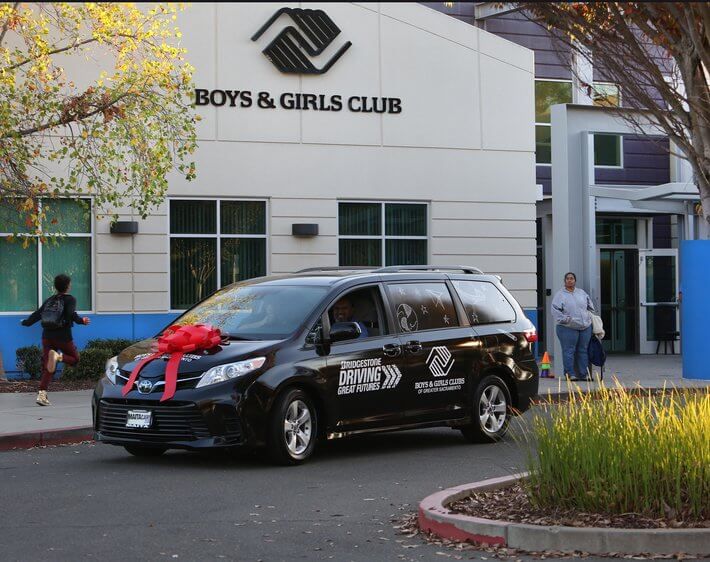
{"x": 115, "y": 345}
{"x": 623, "y": 453}
{"x": 92, "y": 364}
{"x": 92, "y": 360}
{"x": 29, "y": 360}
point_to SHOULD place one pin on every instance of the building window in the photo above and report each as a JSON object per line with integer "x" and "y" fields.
{"x": 616, "y": 231}
{"x": 606, "y": 95}
{"x": 608, "y": 151}
{"x": 214, "y": 243}
{"x": 547, "y": 94}
{"x": 29, "y": 271}
{"x": 375, "y": 234}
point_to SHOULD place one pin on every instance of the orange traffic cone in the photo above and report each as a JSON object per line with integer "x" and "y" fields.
{"x": 545, "y": 372}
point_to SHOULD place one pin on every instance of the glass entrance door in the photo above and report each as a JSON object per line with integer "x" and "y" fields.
{"x": 619, "y": 310}
{"x": 658, "y": 292}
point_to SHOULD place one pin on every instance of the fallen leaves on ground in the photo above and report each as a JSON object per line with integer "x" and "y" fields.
{"x": 512, "y": 504}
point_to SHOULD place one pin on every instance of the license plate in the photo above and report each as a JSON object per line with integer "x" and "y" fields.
{"x": 139, "y": 418}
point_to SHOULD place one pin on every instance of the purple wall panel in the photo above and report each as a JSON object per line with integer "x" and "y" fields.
{"x": 515, "y": 27}
{"x": 646, "y": 162}
{"x": 662, "y": 231}
{"x": 543, "y": 175}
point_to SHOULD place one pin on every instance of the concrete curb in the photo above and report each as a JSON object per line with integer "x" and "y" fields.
{"x": 29, "y": 439}
{"x": 595, "y": 393}
{"x": 435, "y": 517}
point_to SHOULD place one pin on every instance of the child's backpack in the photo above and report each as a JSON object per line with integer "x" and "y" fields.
{"x": 53, "y": 313}
{"x": 597, "y": 355}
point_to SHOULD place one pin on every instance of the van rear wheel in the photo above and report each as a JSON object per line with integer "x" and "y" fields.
{"x": 293, "y": 429}
{"x": 491, "y": 412}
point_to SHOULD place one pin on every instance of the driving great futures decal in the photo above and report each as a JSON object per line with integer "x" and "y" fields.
{"x": 366, "y": 375}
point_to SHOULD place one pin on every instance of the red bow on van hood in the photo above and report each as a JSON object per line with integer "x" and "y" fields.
{"x": 177, "y": 341}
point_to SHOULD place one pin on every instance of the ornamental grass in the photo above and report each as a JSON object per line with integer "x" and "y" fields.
{"x": 623, "y": 452}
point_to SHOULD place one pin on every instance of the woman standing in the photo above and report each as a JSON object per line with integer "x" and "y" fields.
{"x": 570, "y": 309}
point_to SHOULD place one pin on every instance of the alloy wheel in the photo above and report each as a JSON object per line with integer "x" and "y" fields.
{"x": 492, "y": 409}
{"x": 297, "y": 427}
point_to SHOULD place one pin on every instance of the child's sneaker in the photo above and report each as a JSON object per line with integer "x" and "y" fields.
{"x": 42, "y": 398}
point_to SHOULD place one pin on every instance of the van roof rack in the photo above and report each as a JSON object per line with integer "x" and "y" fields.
{"x": 404, "y": 268}
{"x": 341, "y": 268}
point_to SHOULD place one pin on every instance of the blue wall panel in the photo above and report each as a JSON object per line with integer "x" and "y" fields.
{"x": 531, "y": 313}
{"x": 128, "y": 326}
{"x": 694, "y": 307}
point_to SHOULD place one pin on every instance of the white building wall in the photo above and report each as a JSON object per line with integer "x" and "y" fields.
{"x": 464, "y": 143}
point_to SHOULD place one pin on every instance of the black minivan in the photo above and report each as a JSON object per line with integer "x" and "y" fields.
{"x": 324, "y": 354}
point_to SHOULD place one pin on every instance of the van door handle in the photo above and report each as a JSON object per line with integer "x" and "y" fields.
{"x": 413, "y": 347}
{"x": 392, "y": 350}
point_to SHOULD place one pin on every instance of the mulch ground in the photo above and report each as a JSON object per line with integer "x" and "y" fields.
{"x": 512, "y": 504}
{"x": 55, "y": 386}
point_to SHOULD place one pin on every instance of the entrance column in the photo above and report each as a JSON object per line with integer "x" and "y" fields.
{"x": 572, "y": 213}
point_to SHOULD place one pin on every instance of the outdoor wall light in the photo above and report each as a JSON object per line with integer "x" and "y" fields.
{"x": 124, "y": 227}
{"x": 304, "y": 229}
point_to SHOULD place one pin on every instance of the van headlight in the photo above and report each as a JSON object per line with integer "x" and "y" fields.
{"x": 112, "y": 369}
{"x": 222, "y": 373}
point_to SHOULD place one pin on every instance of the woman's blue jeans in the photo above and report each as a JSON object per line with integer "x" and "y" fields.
{"x": 575, "y": 344}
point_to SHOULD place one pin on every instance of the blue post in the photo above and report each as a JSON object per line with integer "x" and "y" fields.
{"x": 695, "y": 307}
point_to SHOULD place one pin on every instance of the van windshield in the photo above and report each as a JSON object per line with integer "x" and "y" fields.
{"x": 256, "y": 312}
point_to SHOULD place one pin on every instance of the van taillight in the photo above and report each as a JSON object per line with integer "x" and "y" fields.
{"x": 530, "y": 335}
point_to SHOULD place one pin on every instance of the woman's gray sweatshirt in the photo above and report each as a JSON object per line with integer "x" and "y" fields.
{"x": 572, "y": 309}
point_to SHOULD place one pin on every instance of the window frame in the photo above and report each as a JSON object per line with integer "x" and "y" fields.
{"x": 218, "y": 237}
{"x": 383, "y": 237}
{"x": 40, "y": 244}
{"x": 621, "y": 152}
{"x": 538, "y": 124}
{"x": 462, "y": 320}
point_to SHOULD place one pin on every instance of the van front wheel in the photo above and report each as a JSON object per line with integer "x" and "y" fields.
{"x": 490, "y": 413}
{"x": 293, "y": 431}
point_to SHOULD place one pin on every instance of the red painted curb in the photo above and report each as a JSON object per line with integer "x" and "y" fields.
{"x": 451, "y": 532}
{"x": 435, "y": 517}
{"x": 29, "y": 439}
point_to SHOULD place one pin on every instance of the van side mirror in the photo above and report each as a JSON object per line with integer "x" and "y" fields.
{"x": 341, "y": 331}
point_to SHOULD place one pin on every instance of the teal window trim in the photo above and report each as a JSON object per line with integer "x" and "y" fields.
{"x": 39, "y": 245}
{"x": 383, "y": 237}
{"x": 218, "y": 236}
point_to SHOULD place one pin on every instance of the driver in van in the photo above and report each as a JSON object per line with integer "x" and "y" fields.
{"x": 343, "y": 311}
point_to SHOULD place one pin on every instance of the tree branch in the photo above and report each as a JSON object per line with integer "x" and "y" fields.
{"x": 66, "y": 120}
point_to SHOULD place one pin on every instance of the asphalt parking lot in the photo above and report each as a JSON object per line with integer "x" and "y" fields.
{"x": 97, "y": 502}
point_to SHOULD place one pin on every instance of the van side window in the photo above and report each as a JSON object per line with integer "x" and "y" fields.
{"x": 484, "y": 303}
{"x": 363, "y": 306}
{"x": 422, "y": 306}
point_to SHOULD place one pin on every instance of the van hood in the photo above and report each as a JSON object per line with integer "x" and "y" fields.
{"x": 197, "y": 362}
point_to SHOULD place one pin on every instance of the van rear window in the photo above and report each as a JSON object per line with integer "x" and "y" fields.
{"x": 484, "y": 303}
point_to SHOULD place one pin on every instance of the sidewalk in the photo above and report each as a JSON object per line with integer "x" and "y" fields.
{"x": 646, "y": 371}
{"x": 23, "y": 424}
